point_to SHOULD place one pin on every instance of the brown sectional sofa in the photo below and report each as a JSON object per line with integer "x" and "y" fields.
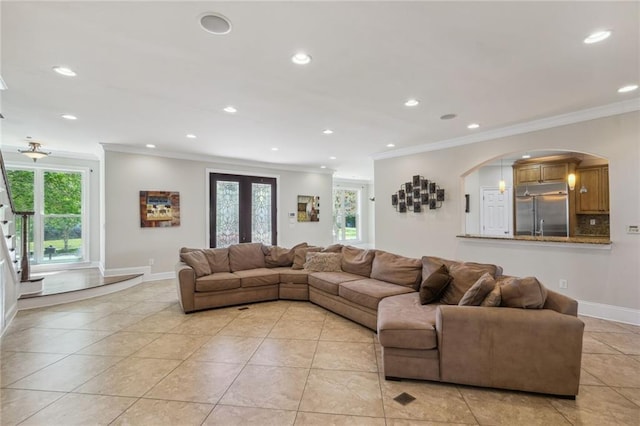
{"x": 535, "y": 350}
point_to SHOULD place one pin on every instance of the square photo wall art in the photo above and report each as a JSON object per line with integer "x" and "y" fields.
{"x": 159, "y": 209}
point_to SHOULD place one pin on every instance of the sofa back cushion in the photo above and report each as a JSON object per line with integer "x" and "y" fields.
{"x": 478, "y": 291}
{"x": 434, "y": 285}
{"x": 527, "y": 293}
{"x": 357, "y": 261}
{"x": 396, "y": 269}
{"x": 333, "y": 248}
{"x": 246, "y": 256}
{"x": 279, "y": 256}
{"x": 300, "y": 256}
{"x": 465, "y": 275}
{"x": 323, "y": 262}
{"x": 218, "y": 259}
{"x": 198, "y": 261}
{"x": 494, "y": 297}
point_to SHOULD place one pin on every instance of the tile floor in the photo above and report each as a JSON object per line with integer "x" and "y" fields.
{"x": 133, "y": 358}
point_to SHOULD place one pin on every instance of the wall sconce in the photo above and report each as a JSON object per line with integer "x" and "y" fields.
{"x": 571, "y": 180}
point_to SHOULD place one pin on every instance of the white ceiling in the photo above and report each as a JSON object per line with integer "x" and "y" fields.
{"x": 147, "y": 73}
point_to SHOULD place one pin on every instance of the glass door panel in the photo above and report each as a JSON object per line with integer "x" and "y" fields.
{"x": 261, "y": 217}
{"x": 227, "y": 213}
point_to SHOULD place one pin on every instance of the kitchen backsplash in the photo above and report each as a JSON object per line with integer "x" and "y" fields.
{"x": 599, "y": 228}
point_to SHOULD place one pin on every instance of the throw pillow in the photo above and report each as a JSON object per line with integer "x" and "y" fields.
{"x": 464, "y": 275}
{"x": 300, "y": 256}
{"x": 198, "y": 261}
{"x": 434, "y": 285}
{"x": 397, "y": 269}
{"x": 218, "y": 259}
{"x": 323, "y": 262}
{"x": 493, "y": 299}
{"x": 333, "y": 248}
{"x": 246, "y": 256}
{"x": 526, "y": 293}
{"x": 478, "y": 291}
{"x": 279, "y": 256}
{"x": 357, "y": 261}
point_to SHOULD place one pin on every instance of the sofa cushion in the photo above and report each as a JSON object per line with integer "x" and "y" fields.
{"x": 431, "y": 264}
{"x": 258, "y": 277}
{"x": 478, "y": 291}
{"x": 279, "y": 256}
{"x": 300, "y": 256}
{"x": 434, "y": 285}
{"x": 333, "y": 248}
{"x": 369, "y": 292}
{"x": 403, "y": 322}
{"x": 357, "y": 261}
{"x": 494, "y": 298}
{"x": 464, "y": 275}
{"x": 218, "y": 259}
{"x": 527, "y": 293}
{"x": 217, "y": 282}
{"x": 323, "y": 262}
{"x": 292, "y": 276}
{"x": 396, "y": 269}
{"x": 198, "y": 261}
{"x": 330, "y": 281}
{"x": 246, "y": 256}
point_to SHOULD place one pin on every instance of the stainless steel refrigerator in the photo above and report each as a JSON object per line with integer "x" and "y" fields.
{"x": 542, "y": 210}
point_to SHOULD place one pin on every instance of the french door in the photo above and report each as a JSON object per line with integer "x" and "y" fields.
{"x": 242, "y": 210}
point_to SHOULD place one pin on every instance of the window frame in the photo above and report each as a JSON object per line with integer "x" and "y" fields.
{"x": 358, "y": 190}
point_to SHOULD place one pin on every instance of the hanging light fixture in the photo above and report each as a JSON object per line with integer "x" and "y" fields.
{"x": 571, "y": 180}
{"x": 34, "y": 152}
{"x": 502, "y": 185}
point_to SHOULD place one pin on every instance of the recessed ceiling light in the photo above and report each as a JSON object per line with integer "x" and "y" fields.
{"x": 327, "y": 131}
{"x": 69, "y": 117}
{"x": 597, "y": 36}
{"x": 628, "y": 88}
{"x": 230, "y": 109}
{"x": 301, "y": 58}
{"x": 150, "y": 145}
{"x": 68, "y": 72}
{"x": 525, "y": 156}
{"x": 390, "y": 145}
{"x": 473, "y": 126}
{"x": 323, "y": 167}
{"x": 274, "y": 149}
{"x": 332, "y": 158}
{"x": 215, "y": 23}
{"x": 448, "y": 116}
{"x": 191, "y": 136}
{"x": 411, "y": 102}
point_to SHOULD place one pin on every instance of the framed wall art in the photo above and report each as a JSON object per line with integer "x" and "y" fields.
{"x": 159, "y": 209}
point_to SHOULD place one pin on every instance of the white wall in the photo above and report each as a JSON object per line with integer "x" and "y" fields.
{"x": 127, "y": 245}
{"x": 595, "y": 276}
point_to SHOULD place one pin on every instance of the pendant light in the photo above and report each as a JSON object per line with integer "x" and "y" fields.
{"x": 34, "y": 152}
{"x": 502, "y": 185}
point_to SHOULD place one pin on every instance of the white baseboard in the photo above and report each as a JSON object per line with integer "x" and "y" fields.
{"x": 609, "y": 312}
{"x": 145, "y": 270}
{"x": 11, "y": 313}
{"x": 160, "y": 276}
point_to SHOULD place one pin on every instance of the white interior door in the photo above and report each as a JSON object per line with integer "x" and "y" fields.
{"x": 496, "y": 212}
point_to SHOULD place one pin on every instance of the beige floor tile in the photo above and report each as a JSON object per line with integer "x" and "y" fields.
{"x": 342, "y": 330}
{"x": 403, "y": 422}
{"x": 193, "y": 381}
{"x": 298, "y": 329}
{"x": 589, "y": 379}
{"x": 600, "y": 325}
{"x": 263, "y": 311}
{"x": 16, "y": 405}
{"x": 511, "y": 408}
{"x": 630, "y": 327}
{"x": 16, "y": 365}
{"x": 249, "y": 327}
{"x": 73, "y": 320}
{"x": 598, "y": 405}
{"x": 122, "y": 343}
{"x": 319, "y": 419}
{"x": 157, "y": 413}
{"x": 172, "y": 346}
{"x": 205, "y": 325}
{"x": 627, "y": 343}
{"x": 146, "y": 308}
{"x": 27, "y": 319}
{"x": 304, "y": 312}
{"x": 231, "y": 349}
{"x": 67, "y": 374}
{"x": 75, "y": 409}
{"x": 437, "y": 402}
{"x": 592, "y": 345}
{"x": 110, "y": 307}
{"x": 632, "y": 394}
{"x": 69, "y": 342}
{"x": 613, "y": 370}
{"x": 226, "y": 415}
{"x": 267, "y": 387}
{"x": 27, "y": 339}
{"x": 158, "y": 323}
{"x": 285, "y": 353}
{"x": 342, "y": 392}
{"x": 345, "y": 356}
{"x": 130, "y": 377}
{"x": 113, "y": 322}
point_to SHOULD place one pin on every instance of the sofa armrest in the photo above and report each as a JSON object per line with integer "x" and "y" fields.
{"x": 561, "y": 303}
{"x": 537, "y": 350}
{"x": 186, "y": 283}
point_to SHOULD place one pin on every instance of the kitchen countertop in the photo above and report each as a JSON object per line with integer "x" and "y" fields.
{"x": 573, "y": 240}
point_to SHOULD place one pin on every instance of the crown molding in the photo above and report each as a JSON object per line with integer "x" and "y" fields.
{"x": 517, "y": 129}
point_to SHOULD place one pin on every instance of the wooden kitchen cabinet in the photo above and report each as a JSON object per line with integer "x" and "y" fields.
{"x": 540, "y": 173}
{"x": 596, "y": 198}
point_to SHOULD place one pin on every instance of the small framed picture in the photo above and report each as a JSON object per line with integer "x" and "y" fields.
{"x": 440, "y": 195}
{"x": 416, "y": 181}
{"x": 416, "y": 192}
{"x": 408, "y": 187}
{"x": 424, "y": 184}
{"x": 409, "y": 199}
{"x": 416, "y": 206}
{"x": 394, "y": 199}
{"x": 432, "y": 187}
{"x": 432, "y": 204}
{"x": 424, "y": 199}
{"x": 401, "y": 194}
{"x": 402, "y": 207}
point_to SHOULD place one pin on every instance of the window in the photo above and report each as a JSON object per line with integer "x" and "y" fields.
{"x": 346, "y": 214}
{"x": 242, "y": 210}
{"x": 56, "y": 232}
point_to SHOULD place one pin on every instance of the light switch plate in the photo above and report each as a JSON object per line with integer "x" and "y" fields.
{"x": 633, "y": 229}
